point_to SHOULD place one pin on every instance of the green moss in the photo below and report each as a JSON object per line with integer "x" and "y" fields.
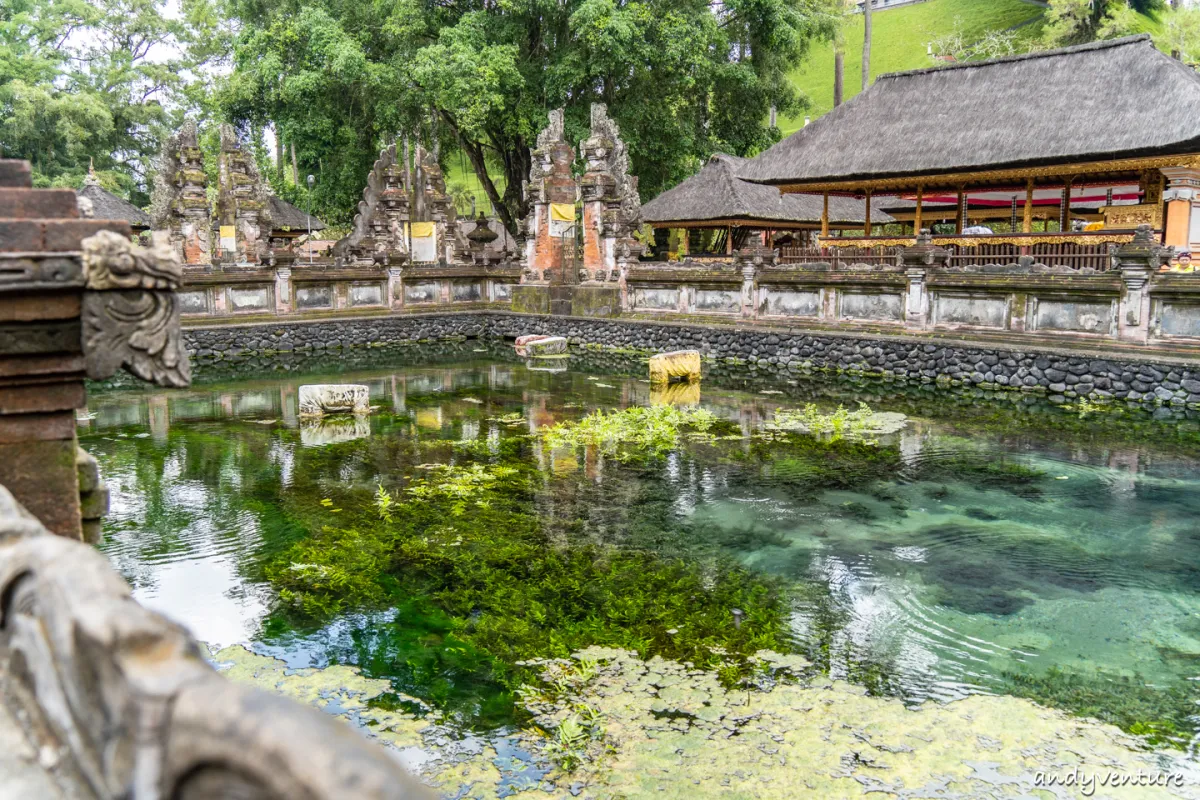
{"x": 1160, "y": 714}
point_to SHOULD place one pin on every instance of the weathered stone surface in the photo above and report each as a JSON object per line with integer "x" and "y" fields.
{"x": 542, "y": 346}
{"x": 676, "y": 366}
{"x": 317, "y": 399}
{"x": 119, "y": 703}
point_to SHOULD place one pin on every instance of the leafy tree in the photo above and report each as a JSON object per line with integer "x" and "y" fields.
{"x": 682, "y": 77}
{"x": 88, "y": 80}
{"x": 1077, "y": 21}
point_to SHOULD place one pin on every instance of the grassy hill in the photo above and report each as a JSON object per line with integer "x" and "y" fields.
{"x": 900, "y": 39}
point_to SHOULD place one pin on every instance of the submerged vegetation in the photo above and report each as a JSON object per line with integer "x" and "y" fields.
{"x": 466, "y": 539}
{"x": 861, "y": 424}
{"x": 633, "y": 432}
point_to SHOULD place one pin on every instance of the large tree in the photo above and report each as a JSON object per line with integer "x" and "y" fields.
{"x": 88, "y": 80}
{"x": 338, "y": 78}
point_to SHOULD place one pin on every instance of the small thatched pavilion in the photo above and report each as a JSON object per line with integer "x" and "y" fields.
{"x": 106, "y": 205}
{"x": 289, "y": 222}
{"x": 738, "y": 213}
{"x": 1104, "y": 133}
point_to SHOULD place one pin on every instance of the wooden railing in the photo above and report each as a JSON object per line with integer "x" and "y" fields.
{"x": 839, "y": 256}
{"x": 1075, "y": 256}
{"x": 983, "y": 254}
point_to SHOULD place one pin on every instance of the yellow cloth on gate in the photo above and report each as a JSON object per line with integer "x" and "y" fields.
{"x": 422, "y": 230}
{"x": 562, "y": 212}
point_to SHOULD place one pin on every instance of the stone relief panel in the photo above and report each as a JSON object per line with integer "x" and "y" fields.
{"x": 874, "y": 306}
{"x": 971, "y": 310}
{"x": 421, "y": 292}
{"x": 1079, "y": 316}
{"x": 466, "y": 292}
{"x": 501, "y": 292}
{"x": 319, "y": 296}
{"x": 194, "y": 302}
{"x": 249, "y": 298}
{"x": 656, "y": 299}
{"x": 721, "y": 301}
{"x": 366, "y": 294}
{"x": 789, "y": 302}
{"x": 1171, "y": 318}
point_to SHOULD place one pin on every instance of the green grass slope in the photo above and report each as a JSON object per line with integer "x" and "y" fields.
{"x": 900, "y": 40}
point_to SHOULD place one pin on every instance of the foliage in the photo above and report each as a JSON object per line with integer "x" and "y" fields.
{"x": 632, "y": 432}
{"x": 682, "y": 79}
{"x": 1076, "y": 21}
{"x": 1160, "y": 714}
{"x": 861, "y": 424}
{"x": 1181, "y": 33}
{"x": 468, "y": 541}
{"x": 90, "y": 80}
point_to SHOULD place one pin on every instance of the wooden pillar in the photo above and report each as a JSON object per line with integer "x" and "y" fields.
{"x": 867, "y": 216}
{"x": 917, "y": 215}
{"x": 1064, "y": 207}
{"x": 729, "y": 242}
{"x": 960, "y": 213}
{"x": 825, "y": 216}
{"x": 1027, "y": 219}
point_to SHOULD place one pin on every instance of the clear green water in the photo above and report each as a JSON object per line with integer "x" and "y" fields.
{"x": 992, "y": 546}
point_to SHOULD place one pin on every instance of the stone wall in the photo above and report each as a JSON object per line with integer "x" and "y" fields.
{"x": 1058, "y": 373}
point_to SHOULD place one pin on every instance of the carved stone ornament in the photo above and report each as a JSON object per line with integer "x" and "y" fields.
{"x": 119, "y": 702}
{"x": 130, "y": 311}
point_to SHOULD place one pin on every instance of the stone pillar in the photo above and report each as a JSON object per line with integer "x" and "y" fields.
{"x": 283, "y": 290}
{"x": 1181, "y": 195}
{"x": 552, "y": 186}
{"x": 243, "y": 204}
{"x": 751, "y": 260}
{"x": 179, "y": 203}
{"x": 1137, "y": 261}
{"x": 611, "y": 207}
{"x": 395, "y": 288}
{"x": 917, "y": 260}
{"x": 81, "y": 302}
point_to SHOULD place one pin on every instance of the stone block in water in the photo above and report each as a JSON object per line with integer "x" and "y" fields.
{"x": 318, "y": 399}
{"x": 679, "y": 365}
{"x": 541, "y": 346}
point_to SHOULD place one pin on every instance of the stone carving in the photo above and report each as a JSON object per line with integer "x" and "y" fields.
{"x": 378, "y": 233}
{"x": 331, "y": 398}
{"x": 316, "y": 432}
{"x": 120, "y": 703}
{"x": 612, "y": 207}
{"x": 179, "y": 201}
{"x": 551, "y": 184}
{"x": 130, "y": 311}
{"x": 243, "y": 206}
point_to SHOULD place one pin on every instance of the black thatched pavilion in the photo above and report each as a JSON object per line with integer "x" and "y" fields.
{"x": 1066, "y": 149}
{"x": 739, "y": 213}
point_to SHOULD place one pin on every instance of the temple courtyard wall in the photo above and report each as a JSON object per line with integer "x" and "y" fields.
{"x": 1059, "y": 371}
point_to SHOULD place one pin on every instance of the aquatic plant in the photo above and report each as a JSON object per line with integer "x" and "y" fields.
{"x": 632, "y": 432}
{"x": 861, "y": 424}
{"x": 1161, "y": 715}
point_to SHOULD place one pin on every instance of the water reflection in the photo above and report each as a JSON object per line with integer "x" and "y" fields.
{"x": 947, "y": 558}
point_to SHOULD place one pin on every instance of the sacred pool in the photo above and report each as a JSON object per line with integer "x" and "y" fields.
{"x": 725, "y": 588}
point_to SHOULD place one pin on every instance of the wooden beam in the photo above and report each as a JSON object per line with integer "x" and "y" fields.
{"x": 917, "y": 213}
{"x": 825, "y": 216}
{"x": 983, "y": 176}
{"x": 867, "y": 229}
{"x": 1064, "y": 207}
{"x": 959, "y": 212}
{"x": 729, "y": 241}
{"x": 1027, "y": 217}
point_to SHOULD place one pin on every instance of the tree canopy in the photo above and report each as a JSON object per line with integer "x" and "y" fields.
{"x": 683, "y": 78}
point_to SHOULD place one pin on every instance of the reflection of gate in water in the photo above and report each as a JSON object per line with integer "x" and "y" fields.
{"x": 570, "y": 255}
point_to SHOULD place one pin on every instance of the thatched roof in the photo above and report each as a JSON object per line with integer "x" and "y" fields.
{"x": 106, "y": 205}
{"x": 1098, "y": 101}
{"x": 716, "y": 193}
{"x": 286, "y": 217}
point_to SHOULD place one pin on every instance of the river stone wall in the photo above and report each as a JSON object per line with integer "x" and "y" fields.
{"x": 1059, "y": 375}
